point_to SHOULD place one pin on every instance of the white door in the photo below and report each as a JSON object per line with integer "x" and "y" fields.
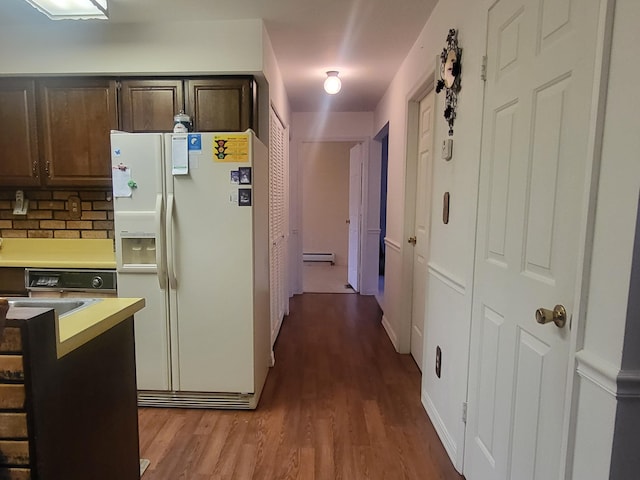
{"x": 531, "y": 200}
{"x": 278, "y": 214}
{"x": 355, "y": 201}
{"x": 421, "y": 226}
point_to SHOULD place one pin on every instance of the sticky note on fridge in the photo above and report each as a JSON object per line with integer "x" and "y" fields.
{"x": 121, "y": 178}
{"x": 195, "y": 142}
{"x": 179, "y": 154}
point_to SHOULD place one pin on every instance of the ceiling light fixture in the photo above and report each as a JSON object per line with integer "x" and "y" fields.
{"x": 332, "y": 84}
{"x": 72, "y": 9}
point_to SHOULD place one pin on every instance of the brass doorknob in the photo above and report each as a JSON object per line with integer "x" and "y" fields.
{"x": 412, "y": 240}
{"x": 558, "y": 316}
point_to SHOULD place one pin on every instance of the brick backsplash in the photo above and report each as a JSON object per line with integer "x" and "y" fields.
{"x": 49, "y": 215}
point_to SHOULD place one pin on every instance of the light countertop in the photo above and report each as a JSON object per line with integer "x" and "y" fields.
{"x": 57, "y": 253}
{"x": 77, "y": 328}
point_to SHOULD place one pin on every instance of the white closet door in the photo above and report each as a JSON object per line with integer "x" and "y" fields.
{"x": 278, "y": 220}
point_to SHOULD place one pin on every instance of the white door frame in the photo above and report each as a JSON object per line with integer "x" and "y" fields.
{"x": 402, "y": 341}
{"x": 370, "y": 213}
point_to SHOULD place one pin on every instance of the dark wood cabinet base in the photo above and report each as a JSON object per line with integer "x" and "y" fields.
{"x": 80, "y": 410}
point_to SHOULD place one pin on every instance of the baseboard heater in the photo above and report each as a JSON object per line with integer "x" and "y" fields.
{"x": 231, "y": 401}
{"x": 319, "y": 257}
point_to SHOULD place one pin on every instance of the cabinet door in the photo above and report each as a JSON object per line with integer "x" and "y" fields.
{"x": 221, "y": 104}
{"x": 12, "y": 282}
{"x": 149, "y": 105}
{"x": 18, "y": 133}
{"x": 76, "y": 117}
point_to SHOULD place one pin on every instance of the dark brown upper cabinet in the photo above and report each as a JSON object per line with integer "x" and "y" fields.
{"x": 225, "y": 104}
{"x": 54, "y": 131}
{"x": 149, "y": 105}
{"x": 18, "y": 133}
{"x": 76, "y": 116}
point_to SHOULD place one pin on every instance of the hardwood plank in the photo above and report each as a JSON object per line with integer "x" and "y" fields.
{"x": 339, "y": 403}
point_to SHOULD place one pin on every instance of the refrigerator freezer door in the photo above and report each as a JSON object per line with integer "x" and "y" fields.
{"x": 140, "y": 256}
{"x": 138, "y": 208}
{"x": 151, "y": 330}
{"x": 140, "y": 155}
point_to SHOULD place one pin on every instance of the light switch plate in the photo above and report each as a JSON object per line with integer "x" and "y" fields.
{"x": 447, "y": 149}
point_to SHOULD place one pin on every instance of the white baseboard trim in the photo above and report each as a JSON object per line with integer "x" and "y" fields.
{"x": 441, "y": 430}
{"x": 390, "y": 333}
{"x": 276, "y": 332}
{"x": 598, "y": 371}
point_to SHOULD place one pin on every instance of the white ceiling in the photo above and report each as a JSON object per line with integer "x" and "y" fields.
{"x": 366, "y": 40}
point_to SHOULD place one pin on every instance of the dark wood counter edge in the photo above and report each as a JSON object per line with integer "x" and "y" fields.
{"x": 83, "y": 407}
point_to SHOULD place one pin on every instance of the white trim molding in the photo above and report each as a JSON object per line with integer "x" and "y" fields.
{"x": 392, "y": 244}
{"x": 446, "y": 278}
{"x": 441, "y": 429}
{"x": 598, "y": 371}
{"x": 390, "y": 333}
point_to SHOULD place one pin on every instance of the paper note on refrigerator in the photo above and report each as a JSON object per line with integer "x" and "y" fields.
{"x": 179, "y": 155}
{"x": 231, "y": 147}
{"x": 121, "y": 177}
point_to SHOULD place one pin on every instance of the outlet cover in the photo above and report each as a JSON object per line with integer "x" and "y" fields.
{"x": 75, "y": 208}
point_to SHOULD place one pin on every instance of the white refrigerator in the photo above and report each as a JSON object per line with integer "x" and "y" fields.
{"x": 191, "y": 237}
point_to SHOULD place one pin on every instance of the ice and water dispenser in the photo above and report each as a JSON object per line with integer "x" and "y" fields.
{"x": 138, "y": 252}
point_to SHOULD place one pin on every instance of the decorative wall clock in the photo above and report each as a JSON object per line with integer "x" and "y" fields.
{"x": 450, "y": 69}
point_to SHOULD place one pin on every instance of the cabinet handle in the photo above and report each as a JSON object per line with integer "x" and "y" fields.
{"x": 34, "y": 168}
{"x": 46, "y": 169}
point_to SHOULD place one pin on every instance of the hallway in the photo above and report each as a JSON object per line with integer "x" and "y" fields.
{"x": 339, "y": 403}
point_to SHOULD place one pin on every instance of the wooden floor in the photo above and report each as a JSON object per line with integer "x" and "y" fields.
{"x": 339, "y": 403}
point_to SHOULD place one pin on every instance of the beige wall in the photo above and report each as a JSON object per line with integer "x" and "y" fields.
{"x": 325, "y": 198}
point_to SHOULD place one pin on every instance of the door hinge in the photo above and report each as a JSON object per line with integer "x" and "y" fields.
{"x": 483, "y": 69}
{"x": 464, "y": 412}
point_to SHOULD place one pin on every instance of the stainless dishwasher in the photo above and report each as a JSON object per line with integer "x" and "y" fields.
{"x": 71, "y": 282}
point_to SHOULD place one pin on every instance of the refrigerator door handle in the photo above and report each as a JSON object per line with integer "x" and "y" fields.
{"x": 160, "y": 257}
{"x": 169, "y": 232}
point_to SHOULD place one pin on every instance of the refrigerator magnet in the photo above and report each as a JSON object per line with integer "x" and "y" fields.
{"x": 244, "y": 197}
{"x": 245, "y": 175}
{"x": 235, "y": 177}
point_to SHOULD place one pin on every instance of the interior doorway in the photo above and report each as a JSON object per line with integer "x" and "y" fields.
{"x": 383, "y": 139}
{"x": 325, "y": 216}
